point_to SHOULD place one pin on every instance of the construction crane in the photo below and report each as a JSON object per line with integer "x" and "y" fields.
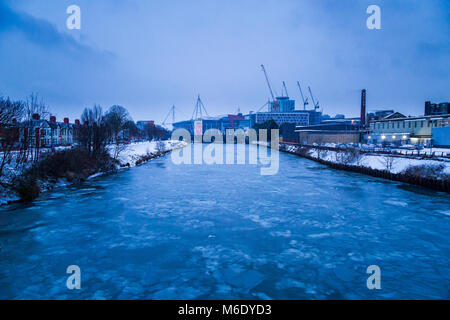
{"x": 305, "y": 101}
{"x": 275, "y": 104}
{"x": 268, "y": 83}
{"x": 316, "y": 105}
{"x": 285, "y": 90}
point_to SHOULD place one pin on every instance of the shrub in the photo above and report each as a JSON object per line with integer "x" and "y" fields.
{"x": 26, "y": 187}
{"x": 430, "y": 171}
{"x": 73, "y": 164}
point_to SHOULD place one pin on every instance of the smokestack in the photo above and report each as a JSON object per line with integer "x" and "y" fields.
{"x": 363, "y": 108}
{"x": 66, "y": 120}
{"x": 36, "y": 116}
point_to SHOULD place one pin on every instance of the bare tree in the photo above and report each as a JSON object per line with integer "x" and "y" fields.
{"x": 160, "y": 146}
{"x": 93, "y": 133}
{"x": 388, "y": 162}
{"x": 11, "y": 112}
{"x": 118, "y": 149}
{"x": 116, "y": 120}
{"x": 34, "y": 106}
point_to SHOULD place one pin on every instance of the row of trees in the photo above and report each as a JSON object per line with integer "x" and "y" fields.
{"x": 114, "y": 128}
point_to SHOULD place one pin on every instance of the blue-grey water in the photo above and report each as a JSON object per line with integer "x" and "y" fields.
{"x": 162, "y": 231}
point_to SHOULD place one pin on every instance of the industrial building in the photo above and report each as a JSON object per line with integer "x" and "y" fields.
{"x": 338, "y": 130}
{"x": 297, "y": 117}
{"x": 331, "y": 131}
{"x": 378, "y": 115}
{"x": 433, "y": 109}
{"x": 399, "y": 129}
{"x": 441, "y": 137}
{"x": 282, "y": 104}
{"x": 282, "y": 108}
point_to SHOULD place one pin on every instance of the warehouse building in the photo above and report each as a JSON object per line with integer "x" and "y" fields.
{"x": 399, "y": 129}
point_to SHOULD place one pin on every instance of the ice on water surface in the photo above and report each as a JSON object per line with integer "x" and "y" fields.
{"x": 162, "y": 231}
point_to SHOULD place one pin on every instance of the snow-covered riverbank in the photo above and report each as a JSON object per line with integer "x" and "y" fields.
{"x": 394, "y": 164}
{"x": 128, "y": 156}
{"x": 132, "y": 153}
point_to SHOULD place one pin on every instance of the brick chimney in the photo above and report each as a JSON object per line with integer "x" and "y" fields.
{"x": 363, "y": 108}
{"x": 14, "y": 121}
{"x": 36, "y": 116}
{"x": 52, "y": 119}
{"x": 77, "y": 122}
{"x": 66, "y": 120}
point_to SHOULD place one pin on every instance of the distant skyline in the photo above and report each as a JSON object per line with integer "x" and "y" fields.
{"x": 150, "y": 55}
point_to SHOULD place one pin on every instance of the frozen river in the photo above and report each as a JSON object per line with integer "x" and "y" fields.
{"x": 162, "y": 231}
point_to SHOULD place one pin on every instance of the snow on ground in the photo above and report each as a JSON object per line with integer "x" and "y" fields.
{"x": 428, "y": 151}
{"x": 399, "y": 164}
{"x": 378, "y": 162}
{"x": 135, "y": 151}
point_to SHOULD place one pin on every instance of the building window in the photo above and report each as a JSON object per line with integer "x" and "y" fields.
{"x": 415, "y": 124}
{"x": 404, "y": 124}
{"x": 409, "y": 124}
{"x": 421, "y": 124}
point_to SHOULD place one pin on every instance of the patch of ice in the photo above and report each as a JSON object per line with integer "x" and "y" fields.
{"x": 396, "y": 203}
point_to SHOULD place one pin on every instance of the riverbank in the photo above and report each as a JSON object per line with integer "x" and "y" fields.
{"x": 138, "y": 153}
{"x": 27, "y": 185}
{"x": 433, "y": 174}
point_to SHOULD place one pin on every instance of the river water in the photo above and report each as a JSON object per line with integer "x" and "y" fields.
{"x": 166, "y": 231}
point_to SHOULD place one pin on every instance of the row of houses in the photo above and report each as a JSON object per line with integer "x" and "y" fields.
{"x": 50, "y": 133}
{"x": 40, "y": 133}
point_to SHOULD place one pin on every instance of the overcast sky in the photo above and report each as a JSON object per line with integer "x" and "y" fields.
{"x": 147, "y": 55}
